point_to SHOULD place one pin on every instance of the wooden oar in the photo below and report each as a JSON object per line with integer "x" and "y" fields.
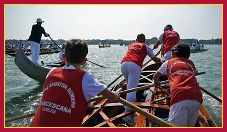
{"x": 124, "y": 92}
{"x": 215, "y": 97}
{"x": 130, "y": 90}
{"x": 19, "y": 117}
{"x": 146, "y": 114}
{"x": 64, "y": 52}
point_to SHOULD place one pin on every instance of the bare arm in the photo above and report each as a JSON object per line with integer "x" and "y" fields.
{"x": 156, "y": 77}
{"x": 151, "y": 54}
{"x": 157, "y": 44}
{"x": 111, "y": 96}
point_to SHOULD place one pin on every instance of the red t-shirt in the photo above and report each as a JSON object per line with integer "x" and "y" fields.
{"x": 63, "y": 103}
{"x": 170, "y": 39}
{"x": 183, "y": 83}
{"x": 136, "y": 53}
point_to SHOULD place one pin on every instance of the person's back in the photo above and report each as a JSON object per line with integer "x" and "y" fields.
{"x": 36, "y": 33}
{"x": 185, "y": 92}
{"x": 169, "y": 38}
{"x": 136, "y": 53}
{"x": 132, "y": 62}
{"x": 138, "y": 50}
{"x": 35, "y": 38}
{"x": 63, "y": 102}
{"x": 68, "y": 89}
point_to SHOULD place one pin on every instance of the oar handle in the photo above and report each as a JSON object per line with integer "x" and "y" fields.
{"x": 146, "y": 114}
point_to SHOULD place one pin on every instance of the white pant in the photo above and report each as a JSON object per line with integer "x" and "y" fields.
{"x": 35, "y": 50}
{"x": 131, "y": 72}
{"x": 184, "y": 113}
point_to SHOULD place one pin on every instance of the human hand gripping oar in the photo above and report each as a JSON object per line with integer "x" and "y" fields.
{"x": 64, "y": 52}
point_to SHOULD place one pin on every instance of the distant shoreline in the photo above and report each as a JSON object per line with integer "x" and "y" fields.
{"x": 217, "y": 41}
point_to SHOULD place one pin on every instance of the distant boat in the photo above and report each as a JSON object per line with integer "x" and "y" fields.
{"x": 103, "y": 45}
{"x": 197, "y": 47}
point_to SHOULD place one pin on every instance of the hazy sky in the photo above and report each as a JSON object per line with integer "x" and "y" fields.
{"x": 114, "y": 21}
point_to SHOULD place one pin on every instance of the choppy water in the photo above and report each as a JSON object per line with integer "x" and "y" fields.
{"x": 22, "y": 93}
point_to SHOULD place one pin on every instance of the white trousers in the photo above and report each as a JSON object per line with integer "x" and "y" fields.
{"x": 184, "y": 113}
{"x": 35, "y": 50}
{"x": 131, "y": 72}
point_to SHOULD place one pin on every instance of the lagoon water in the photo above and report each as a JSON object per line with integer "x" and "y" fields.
{"x": 22, "y": 93}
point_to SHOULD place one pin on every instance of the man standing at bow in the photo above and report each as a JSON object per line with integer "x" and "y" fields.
{"x": 35, "y": 38}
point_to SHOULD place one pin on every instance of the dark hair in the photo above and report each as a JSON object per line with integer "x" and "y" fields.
{"x": 76, "y": 50}
{"x": 141, "y": 38}
{"x": 181, "y": 50}
{"x": 168, "y": 27}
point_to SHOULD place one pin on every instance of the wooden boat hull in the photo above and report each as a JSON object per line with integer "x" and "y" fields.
{"x": 156, "y": 101}
{"x": 34, "y": 71}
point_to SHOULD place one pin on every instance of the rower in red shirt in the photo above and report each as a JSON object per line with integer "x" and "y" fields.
{"x": 68, "y": 89}
{"x": 185, "y": 92}
{"x": 132, "y": 63}
{"x": 169, "y": 38}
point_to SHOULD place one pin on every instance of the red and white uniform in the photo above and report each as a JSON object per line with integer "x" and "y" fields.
{"x": 183, "y": 84}
{"x": 136, "y": 53}
{"x": 131, "y": 66}
{"x": 169, "y": 38}
{"x": 66, "y": 92}
{"x": 186, "y": 95}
